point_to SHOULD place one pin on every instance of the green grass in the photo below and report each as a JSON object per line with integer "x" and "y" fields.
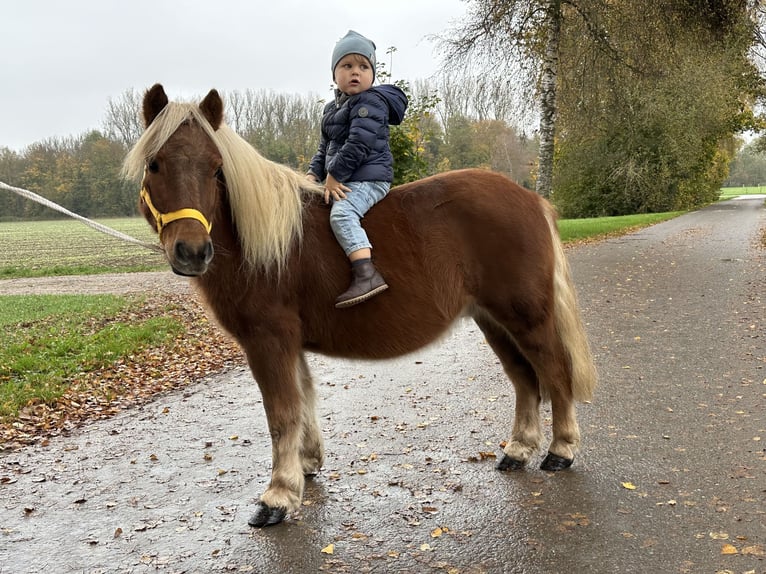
{"x": 595, "y": 228}
{"x": 729, "y": 192}
{"x": 68, "y": 247}
{"x": 49, "y": 339}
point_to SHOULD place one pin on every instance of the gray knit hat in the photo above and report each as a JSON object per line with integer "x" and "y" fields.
{"x": 353, "y": 43}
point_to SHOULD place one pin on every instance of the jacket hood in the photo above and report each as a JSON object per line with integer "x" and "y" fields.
{"x": 397, "y": 102}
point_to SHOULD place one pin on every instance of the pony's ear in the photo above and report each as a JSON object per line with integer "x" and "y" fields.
{"x": 155, "y": 101}
{"x": 212, "y": 109}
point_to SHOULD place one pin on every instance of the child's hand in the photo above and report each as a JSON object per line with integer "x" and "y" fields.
{"x": 311, "y": 177}
{"x": 334, "y": 188}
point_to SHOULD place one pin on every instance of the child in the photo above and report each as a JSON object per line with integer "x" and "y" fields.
{"x": 354, "y": 159}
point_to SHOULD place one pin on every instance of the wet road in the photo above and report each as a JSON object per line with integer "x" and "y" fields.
{"x": 671, "y": 477}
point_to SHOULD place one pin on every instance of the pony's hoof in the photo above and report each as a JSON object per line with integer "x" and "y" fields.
{"x": 508, "y": 463}
{"x": 264, "y": 515}
{"x": 554, "y": 462}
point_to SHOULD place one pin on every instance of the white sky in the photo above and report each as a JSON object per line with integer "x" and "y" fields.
{"x": 61, "y": 60}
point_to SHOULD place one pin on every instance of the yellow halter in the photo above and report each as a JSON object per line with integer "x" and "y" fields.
{"x": 163, "y": 219}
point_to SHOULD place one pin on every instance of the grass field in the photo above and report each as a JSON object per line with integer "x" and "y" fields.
{"x": 729, "y": 192}
{"x": 68, "y": 247}
{"x": 595, "y": 228}
{"x": 48, "y": 340}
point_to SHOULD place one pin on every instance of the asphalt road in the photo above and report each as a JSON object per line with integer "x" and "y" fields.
{"x": 671, "y": 477}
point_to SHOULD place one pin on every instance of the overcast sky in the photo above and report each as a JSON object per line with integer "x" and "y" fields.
{"x": 61, "y": 61}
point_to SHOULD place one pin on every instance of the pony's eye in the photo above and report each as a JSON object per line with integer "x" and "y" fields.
{"x": 153, "y": 166}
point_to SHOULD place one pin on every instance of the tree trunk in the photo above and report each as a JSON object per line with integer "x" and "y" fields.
{"x": 548, "y": 99}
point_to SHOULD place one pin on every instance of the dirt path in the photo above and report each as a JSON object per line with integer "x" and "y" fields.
{"x": 111, "y": 283}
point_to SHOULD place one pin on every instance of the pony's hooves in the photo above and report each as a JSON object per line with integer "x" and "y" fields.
{"x": 508, "y": 463}
{"x": 554, "y": 462}
{"x": 264, "y": 515}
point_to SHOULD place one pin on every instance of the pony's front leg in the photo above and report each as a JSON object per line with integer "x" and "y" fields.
{"x": 275, "y": 368}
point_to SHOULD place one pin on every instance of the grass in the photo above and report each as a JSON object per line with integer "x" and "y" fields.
{"x": 68, "y": 247}
{"x": 49, "y": 339}
{"x": 729, "y": 192}
{"x": 600, "y": 227}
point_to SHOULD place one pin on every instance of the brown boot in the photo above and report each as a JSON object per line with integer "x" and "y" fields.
{"x": 366, "y": 282}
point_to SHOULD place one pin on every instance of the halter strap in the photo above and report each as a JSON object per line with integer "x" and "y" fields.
{"x": 163, "y": 219}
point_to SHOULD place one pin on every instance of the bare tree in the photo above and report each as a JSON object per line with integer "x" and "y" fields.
{"x": 283, "y": 127}
{"x": 123, "y": 118}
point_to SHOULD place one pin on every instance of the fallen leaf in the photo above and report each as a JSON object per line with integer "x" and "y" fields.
{"x": 436, "y": 532}
{"x": 757, "y": 550}
{"x": 329, "y": 549}
{"x": 628, "y": 485}
{"x": 728, "y": 549}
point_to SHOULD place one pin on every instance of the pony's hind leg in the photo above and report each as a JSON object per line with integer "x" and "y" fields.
{"x": 312, "y": 447}
{"x": 542, "y": 347}
{"x": 527, "y": 435}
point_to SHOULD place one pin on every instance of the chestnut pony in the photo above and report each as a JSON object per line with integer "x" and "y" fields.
{"x": 255, "y": 235}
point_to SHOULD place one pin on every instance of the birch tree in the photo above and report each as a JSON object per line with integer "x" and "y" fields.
{"x": 517, "y": 42}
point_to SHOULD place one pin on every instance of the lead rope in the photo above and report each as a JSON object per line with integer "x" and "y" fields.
{"x": 89, "y": 222}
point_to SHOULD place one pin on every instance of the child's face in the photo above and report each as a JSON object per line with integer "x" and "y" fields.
{"x": 354, "y": 74}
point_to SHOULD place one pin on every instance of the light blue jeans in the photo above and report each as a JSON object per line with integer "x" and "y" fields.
{"x": 346, "y": 214}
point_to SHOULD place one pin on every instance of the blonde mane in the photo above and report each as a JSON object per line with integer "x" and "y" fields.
{"x": 265, "y": 196}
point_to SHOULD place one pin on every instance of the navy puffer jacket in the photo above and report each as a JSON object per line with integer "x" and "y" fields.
{"x": 354, "y": 141}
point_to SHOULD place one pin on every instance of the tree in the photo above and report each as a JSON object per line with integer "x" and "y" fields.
{"x": 284, "y": 128}
{"x": 10, "y": 171}
{"x": 99, "y": 160}
{"x": 749, "y": 166}
{"x": 652, "y": 129}
{"x": 123, "y": 118}
{"x": 411, "y": 140}
{"x": 625, "y": 80}
{"x": 517, "y": 40}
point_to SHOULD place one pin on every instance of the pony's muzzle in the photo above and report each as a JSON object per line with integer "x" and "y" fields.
{"x": 190, "y": 259}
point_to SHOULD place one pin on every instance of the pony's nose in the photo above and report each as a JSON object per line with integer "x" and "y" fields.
{"x": 193, "y": 257}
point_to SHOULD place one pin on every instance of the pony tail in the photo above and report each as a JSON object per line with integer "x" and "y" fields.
{"x": 568, "y": 321}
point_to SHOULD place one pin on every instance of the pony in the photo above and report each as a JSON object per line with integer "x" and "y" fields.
{"x": 255, "y": 237}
